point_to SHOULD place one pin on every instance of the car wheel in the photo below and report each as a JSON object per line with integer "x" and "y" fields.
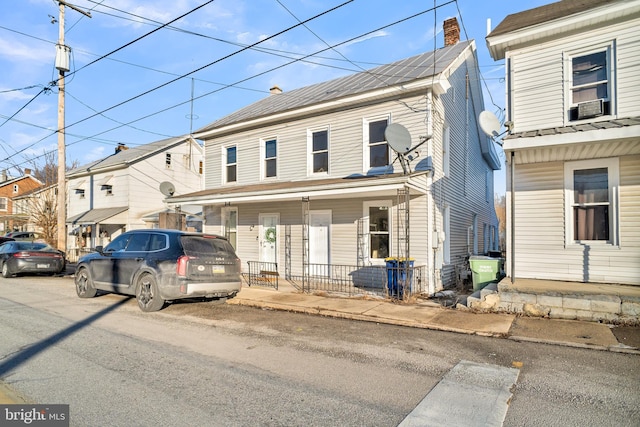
{"x": 147, "y": 294}
{"x": 84, "y": 284}
{"x": 5, "y": 270}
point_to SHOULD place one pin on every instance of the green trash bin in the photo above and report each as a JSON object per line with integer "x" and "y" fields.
{"x": 484, "y": 270}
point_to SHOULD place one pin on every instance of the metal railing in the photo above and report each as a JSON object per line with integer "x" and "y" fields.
{"x": 263, "y": 274}
{"x": 399, "y": 282}
{"x": 74, "y": 254}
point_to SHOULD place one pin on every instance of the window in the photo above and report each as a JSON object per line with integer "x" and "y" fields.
{"x": 270, "y": 158}
{"x": 16, "y": 188}
{"x": 200, "y": 167}
{"x": 591, "y": 197}
{"x": 590, "y": 84}
{"x": 377, "y": 149}
{"x": 80, "y": 192}
{"x": 3, "y": 203}
{"x": 446, "y": 151}
{"x": 319, "y": 151}
{"x": 378, "y": 215}
{"x": 230, "y": 225}
{"x": 167, "y": 160}
{"x": 231, "y": 153}
{"x": 108, "y": 189}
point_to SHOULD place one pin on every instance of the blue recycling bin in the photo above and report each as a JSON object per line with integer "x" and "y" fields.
{"x": 399, "y": 276}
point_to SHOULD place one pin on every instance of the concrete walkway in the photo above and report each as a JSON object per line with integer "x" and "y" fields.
{"x": 430, "y": 315}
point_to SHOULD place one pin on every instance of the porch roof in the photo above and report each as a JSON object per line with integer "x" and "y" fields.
{"x": 329, "y": 188}
{"x": 96, "y": 216}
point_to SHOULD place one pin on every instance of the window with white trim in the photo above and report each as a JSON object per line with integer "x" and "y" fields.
{"x": 16, "y": 188}
{"x": 318, "y": 149}
{"x": 167, "y": 160}
{"x": 376, "y": 147}
{"x": 230, "y": 225}
{"x": 590, "y": 83}
{"x": 231, "y": 170}
{"x": 591, "y": 197}
{"x": 3, "y": 204}
{"x": 377, "y": 216}
{"x": 270, "y": 158}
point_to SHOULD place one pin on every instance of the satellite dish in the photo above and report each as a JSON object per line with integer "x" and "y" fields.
{"x": 489, "y": 123}
{"x": 398, "y": 138}
{"x": 167, "y": 188}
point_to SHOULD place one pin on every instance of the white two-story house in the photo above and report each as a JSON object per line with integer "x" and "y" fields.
{"x": 573, "y": 150}
{"x": 122, "y": 191}
{"x": 306, "y": 183}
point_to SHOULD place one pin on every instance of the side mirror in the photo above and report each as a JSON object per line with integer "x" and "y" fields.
{"x": 100, "y": 249}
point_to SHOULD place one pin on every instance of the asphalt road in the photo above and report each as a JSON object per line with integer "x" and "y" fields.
{"x": 202, "y": 364}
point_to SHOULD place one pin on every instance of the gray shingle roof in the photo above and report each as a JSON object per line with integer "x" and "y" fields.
{"x": 545, "y": 13}
{"x": 394, "y": 74}
{"x": 128, "y": 156}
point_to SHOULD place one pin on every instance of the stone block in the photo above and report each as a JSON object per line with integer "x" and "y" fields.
{"x": 631, "y": 309}
{"x": 605, "y": 317}
{"x": 584, "y": 315}
{"x": 504, "y": 307}
{"x": 576, "y": 303}
{"x": 604, "y": 306}
{"x": 550, "y": 301}
{"x": 524, "y": 298}
{"x": 506, "y": 297}
{"x": 492, "y": 300}
{"x": 536, "y": 310}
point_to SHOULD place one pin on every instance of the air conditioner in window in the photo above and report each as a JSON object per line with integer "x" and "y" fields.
{"x": 589, "y": 109}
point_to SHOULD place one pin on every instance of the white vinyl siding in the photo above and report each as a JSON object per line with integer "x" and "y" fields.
{"x": 538, "y": 77}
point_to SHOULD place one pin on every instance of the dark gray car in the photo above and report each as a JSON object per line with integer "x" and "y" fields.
{"x": 159, "y": 265}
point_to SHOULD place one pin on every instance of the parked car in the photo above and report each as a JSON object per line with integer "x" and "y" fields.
{"x": 159, "y": 265}
{"x": 17, "y": 257}
{"x": 22, "y": 235}
{"x": 6, "y": 239}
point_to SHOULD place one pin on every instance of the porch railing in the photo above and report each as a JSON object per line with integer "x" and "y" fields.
{"x": 263, "y": 274}
{"x": 375, "y": 280}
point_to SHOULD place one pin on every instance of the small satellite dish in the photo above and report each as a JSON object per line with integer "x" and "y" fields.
{"x": 167, "y": 188}
{"x": 398, "y": 138}
{"x": 489, "y": 123}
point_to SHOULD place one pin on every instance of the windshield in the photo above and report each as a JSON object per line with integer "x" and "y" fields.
{"x": 203, "y": 246}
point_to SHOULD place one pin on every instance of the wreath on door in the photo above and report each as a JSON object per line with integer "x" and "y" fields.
{"x": 270, "y": 235}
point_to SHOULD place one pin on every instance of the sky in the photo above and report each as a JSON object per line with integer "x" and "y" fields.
{"x": 145, "y": 70}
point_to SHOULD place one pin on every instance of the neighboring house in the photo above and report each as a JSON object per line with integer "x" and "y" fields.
{"x": 38, "y": 210}
{"x": 306, "y": 184}
{"x": 573, "y": 100}
{"x": 11, "y": 188}
{"x": 117, "y": 193}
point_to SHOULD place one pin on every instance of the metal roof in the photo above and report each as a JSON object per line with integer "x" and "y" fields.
{"x": 395, "y": 74}
{"x": 129, "y": 155}
{"x": 582, "y": 127}
{"x": 95, "y": 216}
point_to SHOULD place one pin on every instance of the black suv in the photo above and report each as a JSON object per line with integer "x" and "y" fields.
{"x": 159, "y": 265}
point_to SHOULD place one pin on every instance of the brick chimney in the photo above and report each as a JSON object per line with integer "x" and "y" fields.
{"x": 275, "y": 90}
{"x": 451, "y": 31}
{"x": 27, "y": 171}
{"x": 121, "y": 147}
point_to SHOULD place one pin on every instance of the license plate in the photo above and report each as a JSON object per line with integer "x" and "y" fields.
{"x": 217, "y": 268}
{"x": 42, "y": 265}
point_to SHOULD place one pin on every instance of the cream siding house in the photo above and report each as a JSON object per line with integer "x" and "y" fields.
{"x": 122, "y": 191}
{"x": 306, "y": 183}
{"x": 573, "y": 152}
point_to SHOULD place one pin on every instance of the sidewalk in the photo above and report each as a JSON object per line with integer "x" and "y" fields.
{"x": 430, "y": 315}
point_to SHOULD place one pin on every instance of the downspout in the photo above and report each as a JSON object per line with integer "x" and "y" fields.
{"x": 513, "y": 217}
{"x": 431, "y": 261}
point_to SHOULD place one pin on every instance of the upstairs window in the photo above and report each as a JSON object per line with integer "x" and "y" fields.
{"x": 378, "y": 149}
{"x": 231, "y": 153}
{"x": 319, "y": 151}
{"x": 200, "y": 167}
{"x": 108, "y": 189}
{"x": 16, "y": 188}
{"x": 167, "y": 160}
{"x": 590, "y": 84}
{"x": 270, "y": 158}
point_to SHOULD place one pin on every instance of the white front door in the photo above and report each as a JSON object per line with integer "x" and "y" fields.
{"x": 268, "y": 238}
{"x": 319, "y": 226}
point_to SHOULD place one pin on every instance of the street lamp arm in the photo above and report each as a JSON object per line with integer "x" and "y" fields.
{"x": 76, "y": 8}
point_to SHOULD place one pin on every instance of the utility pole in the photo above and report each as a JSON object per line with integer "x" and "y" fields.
{"x": 62, "y": 64}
